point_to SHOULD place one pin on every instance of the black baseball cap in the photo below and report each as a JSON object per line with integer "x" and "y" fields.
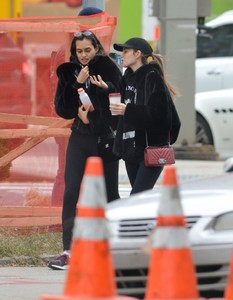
{"x": 89, "y": 10}
{"x": 137, "y": 44}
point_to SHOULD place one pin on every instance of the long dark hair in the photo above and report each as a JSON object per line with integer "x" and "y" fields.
{"x": 80, "y": 36}
{"x": 158, "y": 59}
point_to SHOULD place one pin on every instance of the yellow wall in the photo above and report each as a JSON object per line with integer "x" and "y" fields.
{"x": 11, "y": 9}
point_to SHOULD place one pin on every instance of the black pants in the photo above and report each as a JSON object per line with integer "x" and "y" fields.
{"x": 142, "y": 178}
{"x": 80, "y": 147}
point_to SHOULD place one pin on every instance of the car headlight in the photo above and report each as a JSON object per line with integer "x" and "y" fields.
{"x": 224, "y": 221}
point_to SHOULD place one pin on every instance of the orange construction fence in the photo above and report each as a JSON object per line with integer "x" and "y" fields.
{"x": 30, "y": 50}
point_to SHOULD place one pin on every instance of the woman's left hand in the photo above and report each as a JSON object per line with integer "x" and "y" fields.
{"x": 82, "y": 114}
{"x": 97, "y": 80}
{"x": 117, "y": 108}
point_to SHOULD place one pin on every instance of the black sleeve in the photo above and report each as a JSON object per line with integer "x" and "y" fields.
{"x": 111, "y": 74}
{"x": 66, "y": 99}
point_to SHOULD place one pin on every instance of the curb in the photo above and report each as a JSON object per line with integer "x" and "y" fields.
{"x": 23, "y": 261}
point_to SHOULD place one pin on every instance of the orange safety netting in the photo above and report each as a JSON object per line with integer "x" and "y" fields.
{"x": 30, "y": 51}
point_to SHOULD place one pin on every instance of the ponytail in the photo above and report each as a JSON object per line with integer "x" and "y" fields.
{"x": 158, "y": 60}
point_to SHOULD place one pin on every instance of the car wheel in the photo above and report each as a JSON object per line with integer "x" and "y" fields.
{"x": 203, "y": 131}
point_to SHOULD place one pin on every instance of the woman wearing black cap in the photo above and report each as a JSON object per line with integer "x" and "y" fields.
{"x": 146, "y": 109}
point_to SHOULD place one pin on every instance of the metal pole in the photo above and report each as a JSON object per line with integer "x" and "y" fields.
{"x": 178, "y": 45}
{"x": 94, "y": 3}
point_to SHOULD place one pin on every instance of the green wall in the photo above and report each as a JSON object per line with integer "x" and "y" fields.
{"x": 219, "y": 6}
{"x": 130, "y": 12}
{"x": 130, "y": 21}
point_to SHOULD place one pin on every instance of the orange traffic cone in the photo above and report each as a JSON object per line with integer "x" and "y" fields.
{"x": 90, "y": 273}
{"x": 171, "y": 269}
{"x": 228, "y": 294}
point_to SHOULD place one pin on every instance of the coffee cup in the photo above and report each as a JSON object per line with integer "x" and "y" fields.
{"x": 114, "y": 98}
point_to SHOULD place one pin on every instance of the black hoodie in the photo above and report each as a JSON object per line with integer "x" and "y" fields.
{"x": 150, "y": 110}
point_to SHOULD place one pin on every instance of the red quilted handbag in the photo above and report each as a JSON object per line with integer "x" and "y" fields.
{"x": 159, "y": 156}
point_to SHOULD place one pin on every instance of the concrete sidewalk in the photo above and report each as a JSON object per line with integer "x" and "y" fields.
{"x": 37, "y": 168}
{"x": 186, "y": 170}
{"x": 13, "y": 192}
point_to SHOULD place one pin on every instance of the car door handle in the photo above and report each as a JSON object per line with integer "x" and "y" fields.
{"x": 214, "y": 73}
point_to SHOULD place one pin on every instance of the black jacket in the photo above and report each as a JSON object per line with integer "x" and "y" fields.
{"x": 67, "y": 98}
{"x": 152, "y": 111}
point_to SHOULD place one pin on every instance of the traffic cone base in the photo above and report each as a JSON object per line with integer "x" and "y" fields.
{"x": 228, "y": 294}
{"x": 54, "y": 297}
{"x": 98, "y": 253}
{"x": 176, "y": 269}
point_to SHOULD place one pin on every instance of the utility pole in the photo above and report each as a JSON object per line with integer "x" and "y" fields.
{"x": 94, "y": 3}
{"x": 178, "y": 46}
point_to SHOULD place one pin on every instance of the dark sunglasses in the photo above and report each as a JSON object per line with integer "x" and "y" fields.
{"x": 83, "y": 33}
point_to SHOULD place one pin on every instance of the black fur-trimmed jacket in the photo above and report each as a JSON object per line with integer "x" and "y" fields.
{"x": 150, "y": 110}
{"x": 67, "y": 98}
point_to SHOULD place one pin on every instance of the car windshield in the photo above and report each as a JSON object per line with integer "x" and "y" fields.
{"x": 215, "y": 42}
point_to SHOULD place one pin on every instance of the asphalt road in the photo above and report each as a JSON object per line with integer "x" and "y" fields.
{"x": 20, "y": 283}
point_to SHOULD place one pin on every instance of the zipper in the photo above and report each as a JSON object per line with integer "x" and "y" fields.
{"x": 78, "y": 125}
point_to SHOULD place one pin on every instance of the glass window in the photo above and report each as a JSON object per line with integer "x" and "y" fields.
{"x": 217, "y": 42}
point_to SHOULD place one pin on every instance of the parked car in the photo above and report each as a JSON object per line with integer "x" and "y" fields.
{"x": 208, "y": 208}
{"x": 214, "y": 84}
{"x": 214, "y": 117}
{"x": 214, "y": 63}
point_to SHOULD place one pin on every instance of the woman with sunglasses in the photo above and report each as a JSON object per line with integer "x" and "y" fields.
{"x": 93, "y": 70}
{"x": 147, "y": 111}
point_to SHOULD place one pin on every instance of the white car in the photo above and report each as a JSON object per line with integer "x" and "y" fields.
{"x": 214, "y": 111}
{"x": 208, "y": 208}
{"x": 214, "y": 63}
{"x": 214, "y": 84}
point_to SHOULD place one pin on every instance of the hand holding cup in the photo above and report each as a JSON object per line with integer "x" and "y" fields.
{"x": 115, "y": 101}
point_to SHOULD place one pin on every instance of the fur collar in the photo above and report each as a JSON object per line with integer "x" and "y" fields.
{"x": 104, "y": 63}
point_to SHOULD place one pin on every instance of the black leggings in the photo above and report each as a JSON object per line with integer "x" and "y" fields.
{"x": 80, "y": 147}
{"x": 142, "y": 178}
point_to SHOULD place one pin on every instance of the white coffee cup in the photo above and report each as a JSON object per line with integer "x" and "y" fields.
{"x": 114, "y": 98}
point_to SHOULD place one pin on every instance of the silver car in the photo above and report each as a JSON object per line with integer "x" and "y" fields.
{"x": 208, "y": 207}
